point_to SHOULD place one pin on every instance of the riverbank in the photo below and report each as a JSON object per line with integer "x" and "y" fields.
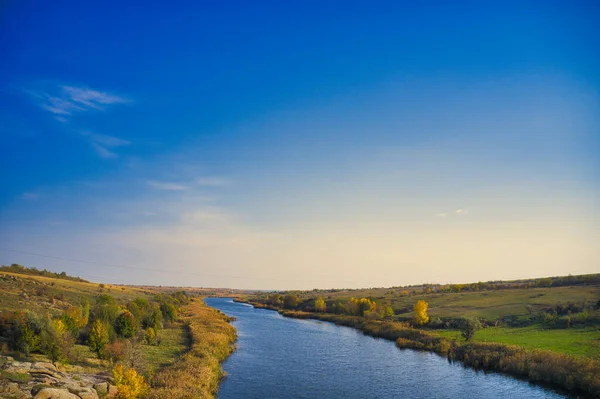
{"x": 542, "y": 366}
{"x": 198, "y": 372}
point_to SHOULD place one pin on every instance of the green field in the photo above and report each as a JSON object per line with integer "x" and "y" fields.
{"x": 574, "y": 341}
{"x": 520, "y": 313}
{"x": 489, "y": 305}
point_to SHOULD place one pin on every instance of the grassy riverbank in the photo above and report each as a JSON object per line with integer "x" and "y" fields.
{"x": 197, "y": 373}
{"x": 558, "y": 369}
{"x": 545, "y": 330}
{"x": 167, "y": 336}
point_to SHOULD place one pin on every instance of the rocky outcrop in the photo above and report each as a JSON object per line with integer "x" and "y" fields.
{"x": 39, "y": 380}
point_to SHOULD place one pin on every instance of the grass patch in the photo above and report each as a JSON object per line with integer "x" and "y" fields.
{"x": 15, "y": 377}
{"x": 198, "y": 372}
{"x": 572, "y": 341}
{"x": 174, "y": 342}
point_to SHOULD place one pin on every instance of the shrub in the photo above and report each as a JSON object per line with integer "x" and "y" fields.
{"x": 98, "y": 337}
{"x": 169, "y": 312}
{"x": 125, "y": 324}
{"x": 150, "y": 336}
{"x": 129, "y": 383}
{"x": 469, "y": 326}
{"x": 115, "y": 351}
{"x": 57, "y": 341}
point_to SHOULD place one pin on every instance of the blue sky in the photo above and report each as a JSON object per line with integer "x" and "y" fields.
{"x": 300, "y": 145}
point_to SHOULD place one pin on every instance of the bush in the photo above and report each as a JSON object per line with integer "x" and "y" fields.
{"x": 150, "y": 336}
{"x": 129, "y": 383}
{"x": 98, "y": 337}
{"x": 115, "y": 351}
{"x": 23, "y": 331}
{"x": 469, "y": 326}
{"x": 169, "y": 312}
{"x": 125, "y": 325}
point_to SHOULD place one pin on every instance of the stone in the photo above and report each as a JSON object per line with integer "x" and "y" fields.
{"x": 112, "y": 391}
{"x": 88, "y": 394}
{"x": 44, "y": 365}
{"x": 17, "y": 367}
{"x": 10, "y": 389}
{"x": 55, "y": 393}
{"x": 101, "y": 388}
{"x": 45, "y": 368}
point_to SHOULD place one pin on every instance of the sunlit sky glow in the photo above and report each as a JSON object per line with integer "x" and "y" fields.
{"x": 275, "y": 145}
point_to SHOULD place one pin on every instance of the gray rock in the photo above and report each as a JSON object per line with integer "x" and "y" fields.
{"x": 55, "y": 393}
{"x": 10, "y": 389}
{"x": 45, "y": 368}
{"x": 88, "y": 394}
{"x": 101, "y": 388}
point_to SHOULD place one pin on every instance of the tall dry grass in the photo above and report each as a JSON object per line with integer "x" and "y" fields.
{"x": 198, "y": 372}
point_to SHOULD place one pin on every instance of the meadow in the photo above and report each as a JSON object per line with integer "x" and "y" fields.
{"x": 546, "y": 330}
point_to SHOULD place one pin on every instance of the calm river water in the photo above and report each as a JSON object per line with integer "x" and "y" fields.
{"x": 279, "y": 357}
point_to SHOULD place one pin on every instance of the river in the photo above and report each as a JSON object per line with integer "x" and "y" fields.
{"x": 279, "y": 357}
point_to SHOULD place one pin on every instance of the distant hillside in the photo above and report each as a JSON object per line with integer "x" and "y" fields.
{"x": 32, "y": 271}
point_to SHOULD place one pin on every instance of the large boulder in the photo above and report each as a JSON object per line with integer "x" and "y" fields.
{"x": 55, "y": 393}
{"x": 11, "y": 390}
{"x": 17, "y": 367}
{"x": 88, "y": 393}
{"x": 46, "y": 369}
{"x": 101, "y": 388}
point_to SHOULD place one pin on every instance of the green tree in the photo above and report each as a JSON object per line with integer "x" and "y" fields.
{"x": 469, "y": 326}
{"x": 320, "y": 305}
{"x": 169, "y": 311}
{"x": 153, "y": 319}
{"x": 98, "y": 337}
{"x": 57, "y": 341}
{"x": 388, "y": 312}
{"x": 125, "y": 324}
{"x": 291, "y": 301}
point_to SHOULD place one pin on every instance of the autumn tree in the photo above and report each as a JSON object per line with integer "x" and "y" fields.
{"x": 320, "y": 305}
{"x": 130, "y": 384}
{"x": 57, "y": 341}
{"x": 388, "y": 312}
{"x": 421, "y": 312}
{"x": 98, "y": 337}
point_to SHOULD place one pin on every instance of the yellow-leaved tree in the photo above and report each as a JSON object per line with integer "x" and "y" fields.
{"x": 130, "y": 384}
{"x": 320, "y": 305}
{"x": 421, "y": 312}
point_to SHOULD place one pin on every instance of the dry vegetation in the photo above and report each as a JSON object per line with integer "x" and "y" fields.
{"x": 181, "y": 358}
{"x": 198, "y": 372}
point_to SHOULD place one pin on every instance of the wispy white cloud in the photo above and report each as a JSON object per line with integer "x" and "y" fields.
{"x": 104, "y": 139}
{"x": 461, "y": 211}
{"x": 168, "y": 186}
{"x": 103, "y": 151}
{"x": 29, "y": 196}
{"x": 104, "y": 144}
{"x": 213, "y": 181}
{"x": 63, "y": 101}
{"x": 441, "y": 215}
